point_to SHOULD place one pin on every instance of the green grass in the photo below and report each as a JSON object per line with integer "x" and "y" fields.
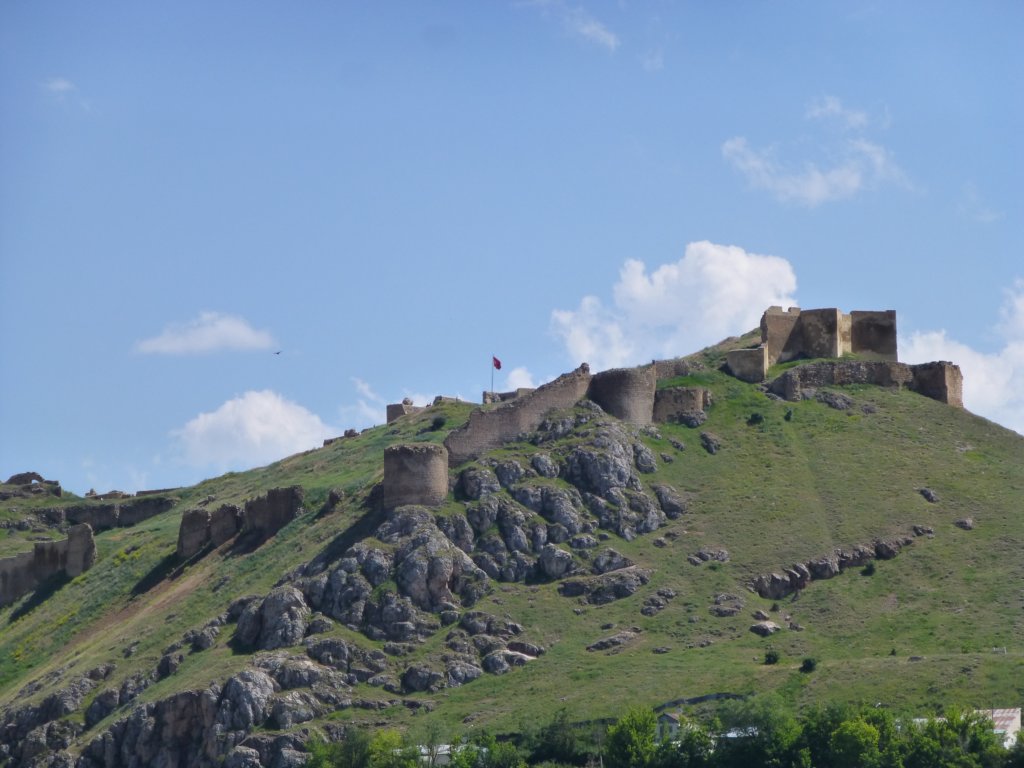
{"x": 778, "y": 492}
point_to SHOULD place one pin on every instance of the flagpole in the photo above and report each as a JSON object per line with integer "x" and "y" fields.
{"x": 492, "y": 377}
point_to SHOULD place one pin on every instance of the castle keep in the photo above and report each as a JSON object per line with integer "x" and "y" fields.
{"x": 811, "y": 333}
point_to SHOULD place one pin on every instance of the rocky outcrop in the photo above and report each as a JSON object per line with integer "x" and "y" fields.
{"x": 776, "y": 585}
{"x": 606, "y": 588}
{"x": 278, "y": 620}
{"x": 72, "y": 556}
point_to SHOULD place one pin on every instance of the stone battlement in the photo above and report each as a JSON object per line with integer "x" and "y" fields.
{"x": 811, "y": 333}
{"x": 22, "y": 573}
{"x": 415, "y": 473}
{"x": 940, "y": 381}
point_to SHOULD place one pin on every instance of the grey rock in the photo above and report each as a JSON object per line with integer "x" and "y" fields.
{"x": 509, "y": 473}
{"x": 243, "y": 757}
{"x": 420, "y": 677}
{"x": 609, "y": 560}
{"x": 613, "y": 641}
{"x": 644, "y": 459}
{"x": 543, "y": 465}
{"x": 459, "y": 673}
{"x": 835, "y": 400}
{"x": 476, "y": 482}
{"x": 554, "y": 563}
{"x": 279, "y": 620}
{"x": 332, "y": 651}
{"x": 245, "y": 701}
{"x": 710, "y": 442}
{"x": 671, "y": 502}
{"x": 293, "y": 708}
{"x": 765, "y": 628}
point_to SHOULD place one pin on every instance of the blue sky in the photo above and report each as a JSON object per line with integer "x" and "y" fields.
{"x": 390, "y": 193}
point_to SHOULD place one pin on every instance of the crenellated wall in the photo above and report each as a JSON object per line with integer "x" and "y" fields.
{"x": 873, "y": 334}
{"x": 674, "y": 402}
{"x": 626, "y": 393}
{"x": 415, "y": 473}
{"x": 398, "y": 410}
{"x": 492, "y": 427}
{"x": 260, "y": 517}
{"x": 795, "y": 333}
{"x": 940, "y": 381}
{"x": 101, "y": 517}
{"x": 748, "y": 364}
{"x": 22, "y": 573}
{"x": 267, "y": 514}
{"x": 669, "y": 369}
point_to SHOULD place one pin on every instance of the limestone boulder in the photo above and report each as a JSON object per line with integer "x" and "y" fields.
{"x": 246, "y": 700}
{"x": 765, "y": 628}
{"x": 609, "y": 560}
{"x": 277, "y": 621}
{"x": 476, "y": 482}
{"x": 670, "y": 501}
{"x": 553, "y": 562}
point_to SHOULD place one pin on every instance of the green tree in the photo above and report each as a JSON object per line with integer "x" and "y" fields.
{"x": 351, "y": 752}
{"x": 962, "y": 739}
{"x": 559, "y": 741}
{"x": 389, "y": 750}
{"x": 816, "y": 734}
{"x": 765, "y": 735}
{"x": 854, "y": 744}
{"x": 694, "y": 748}
{"x": 630, "y": 742}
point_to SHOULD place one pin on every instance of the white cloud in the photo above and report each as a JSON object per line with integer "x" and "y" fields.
{"x": 993, "y": 382}
{"x": 830, "y": 107}
{"x": 210, "y": 332}
{"x": 519, "y": 377}
{"x": 254, "y": 429}
{"x": 59, "y": 85}
{"x": 582, "y": 24}
{"x": 855, "y": 164}
{"x": 653, "y": 61}
{"x": 714, "y": 291}
{"x": 971, "y": 206}
{"x": 578, "y": 22}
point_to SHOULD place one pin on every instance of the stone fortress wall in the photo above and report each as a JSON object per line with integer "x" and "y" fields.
{"x": 415, "y": 473}
{"x": 491, "y": 428}
{"x": 22, "y": 573}
{"x": 810, "y": 333}
{"x": 258, "y": 518}
{"x": 626, "y": 393}
{"x": 631, "y": 394}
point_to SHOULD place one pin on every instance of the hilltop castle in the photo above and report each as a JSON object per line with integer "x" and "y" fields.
{"x": 868, "y": 338}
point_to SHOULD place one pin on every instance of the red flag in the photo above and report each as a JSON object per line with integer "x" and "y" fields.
{"x": 496, "y": 362}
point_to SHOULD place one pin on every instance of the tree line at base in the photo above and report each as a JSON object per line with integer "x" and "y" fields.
{"x": 759, "y": 732}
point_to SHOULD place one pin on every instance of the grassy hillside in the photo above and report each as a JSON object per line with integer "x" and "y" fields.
{"x": 941, "y": 623}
